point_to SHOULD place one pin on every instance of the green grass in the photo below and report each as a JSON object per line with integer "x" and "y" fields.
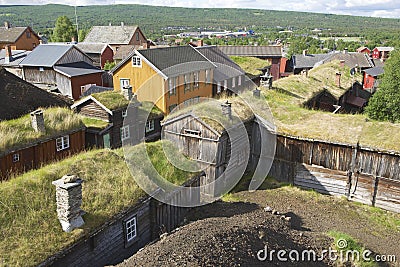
{"x": 111, "y": 99}
{"x": 18, "y": 132}
{"x": 95, "y": 123}
{"x": 350, "y": 245}
{"x": 250, "y": 64}
{"x": 30, "y": 231}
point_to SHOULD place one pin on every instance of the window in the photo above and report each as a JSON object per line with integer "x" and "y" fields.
{"x": 196, "y": 79}
{"x": 192, "y": 132}
{"x": 15, "y": 157}
{"x": 28, "y": 34}
{"x": 136, "y": 61}
{"x": 62, "y": 143}
{"x": 172, "y": 85}
{"x": 125, "y": 132}
{"x": 239, "y": 80}
{"x": 41, "y": 69}
{"x": 124, "y": 82}
{"x": 124, "y": 113}
{"x": 149, "y": 126}
{"x": 208, "y": 76}
{"x": 137, "y": 36}
{"x": 187, "y": 81}
{"x": 233, "y": 82}
{"x": 130, "y": 229}
{"x": 219, "y": 87}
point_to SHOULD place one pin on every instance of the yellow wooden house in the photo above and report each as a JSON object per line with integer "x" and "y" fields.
{"x": 167, "y": 76}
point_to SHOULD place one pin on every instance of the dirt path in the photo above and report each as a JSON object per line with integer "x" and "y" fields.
{"x": 232, "y": 233}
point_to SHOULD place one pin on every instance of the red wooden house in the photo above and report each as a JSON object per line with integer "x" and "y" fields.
{"x": 371, "y": 78}
{"x": 381, "y": 52}
{"x": 364, "y": 50}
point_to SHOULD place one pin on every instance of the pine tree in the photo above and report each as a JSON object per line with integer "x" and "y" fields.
{"x": 64, "y": 30}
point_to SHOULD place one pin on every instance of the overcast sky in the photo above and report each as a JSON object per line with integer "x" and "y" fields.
{"x": 374, "y": 8}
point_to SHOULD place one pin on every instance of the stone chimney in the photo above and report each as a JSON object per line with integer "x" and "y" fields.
{"x": 8, "y": 58}
{"x": 256, "y": 93}
{"x": 6, "y": 24}
{"x": 122, "y": 24}
{"x": 346, "y": 51}
{"x": 69, "y": 201}
{"x": 127, "y": 92}
{"x": 338, "y": 77}
{"x": 227, "y": 109}
{"x": 305, "y": 52}
{"x": 37, "y": 120}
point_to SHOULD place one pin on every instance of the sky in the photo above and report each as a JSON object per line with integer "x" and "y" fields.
{"x": 371, "y": 8}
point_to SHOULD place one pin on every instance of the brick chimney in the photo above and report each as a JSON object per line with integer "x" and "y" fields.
{"x": 6, "y": 24}
{"x": 8, "y": 58}
{"x": 69, "y": 201}
{"x": 37, "y": 121}
{"x": 227, "y": 109}
{"x": 338, "y": 77}
{"x": 127, "y": 92}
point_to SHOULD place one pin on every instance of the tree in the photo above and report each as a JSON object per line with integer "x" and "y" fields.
{"x": 64, "y": 30}
{"x": 385, "y": 103}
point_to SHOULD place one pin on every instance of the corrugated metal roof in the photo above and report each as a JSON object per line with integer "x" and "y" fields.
{"x": 11, "y": 35}
{"x": 110, "y": 34}
{"x": 17, "y": 57}
{"x": 384, "y": 48}
{"x": 46, "y": 55}
{"x": 77, "y": 69}
{"x": 252, "y": 51}
{"x": 307, "y": 61}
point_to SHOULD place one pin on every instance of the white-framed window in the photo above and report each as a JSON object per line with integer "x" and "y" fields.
{"x": 125, "y": 132}
{"x": 136, "y": 61}
{"x": 196, "y": 79}
{"x": 62, "y": 143}
{"x": 130, "y": 229}
{"x": 239, "y": 80}
{"x": 208, "y": 76}
{"x": 219, "y": 87}
{"x": 172, "y": 85}
{"x": 149, "y": 126}
{"x": 41, "y": 69}
{"x": 124, "y": 82}
{"x": 15, "y": 157}
{"x": 233, "y": 82}
{"x": 124, "y": 113}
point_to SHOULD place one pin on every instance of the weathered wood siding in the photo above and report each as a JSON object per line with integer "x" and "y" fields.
{"x": 93, "y": 110}
{"x": 74, "y": 55}
{"x": 37, "y": 154}
{"x": 34, "y": 75}
{"x": 64, "y": 84}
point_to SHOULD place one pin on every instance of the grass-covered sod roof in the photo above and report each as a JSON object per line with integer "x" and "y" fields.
{"x": 30, "y": 231}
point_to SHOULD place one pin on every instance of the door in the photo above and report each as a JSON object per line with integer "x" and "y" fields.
{"x": 106, "y": 141}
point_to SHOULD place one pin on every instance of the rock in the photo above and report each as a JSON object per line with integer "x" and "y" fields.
{"x": 274, "y": 212}
{"x": 283, "y": 217}
{"x": 163, "y": 236}
{"x": 288, "y": 218}
{"x": 301, "y": 234}
{"x": 70, "y": 178}
{"x": 268, "y": 209}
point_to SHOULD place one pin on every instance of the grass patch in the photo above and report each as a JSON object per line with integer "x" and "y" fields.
{"x": 344, "y": 243}
{"x": 251, "y": 64}
{"x": 19, "y": 132}
{"x": 229, "y": 197}
{"x": 30, "y": 231}
{"x": 111, "y": 99}
{"x": 95, "y": 123}
{"x": 381, "y": 218}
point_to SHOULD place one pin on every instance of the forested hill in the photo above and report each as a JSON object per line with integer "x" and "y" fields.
{"x": 152, "y": 18}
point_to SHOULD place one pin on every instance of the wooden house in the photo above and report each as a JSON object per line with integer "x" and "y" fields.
{"x": 10, "y": 60}
{"x": 381, "y": 52}
{"x": 64, "y": 68}
{"x": 354, "y": 99}
{"x": 100, "y": 53}
{"x": 18, "y": 97}
{"x": 106, "y": 112}
{"x": 221, "y": 151}
{"x": 116, "y": 36}
{"x": 228, "y": 76}
{"x": 167, "y": 76}
{"x": 18, "y": 38}
{"x": 272, "y": 54}
{"x": 43, "y": 136}
{"x": 364, "y": 50}
{"x": 370, "y": 81}
{"x": 323, "y": 100}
